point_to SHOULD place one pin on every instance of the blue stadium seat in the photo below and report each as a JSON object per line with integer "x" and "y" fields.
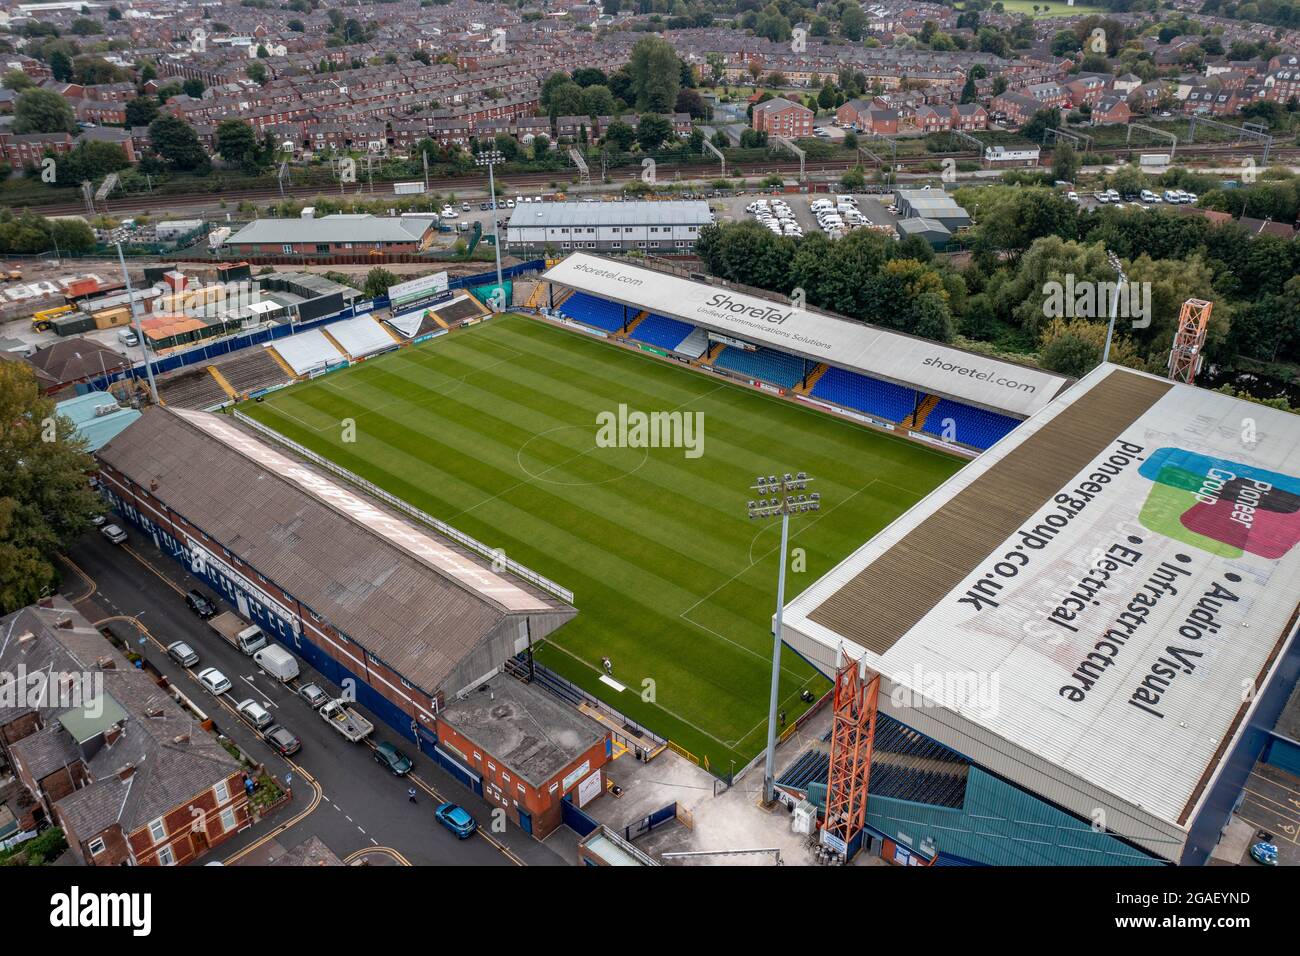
{"x": 596, "y": 312}
{"x": 768, "y": 365}
{"x": 853, "y": 390}
{"x": 662, "y": 331}
{"x": 970, "y": 426}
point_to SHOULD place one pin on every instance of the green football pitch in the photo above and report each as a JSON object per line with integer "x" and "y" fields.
{"x": 494, "y": 430}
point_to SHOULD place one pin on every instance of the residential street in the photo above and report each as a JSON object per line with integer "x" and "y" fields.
{"x": 340, "y": 794}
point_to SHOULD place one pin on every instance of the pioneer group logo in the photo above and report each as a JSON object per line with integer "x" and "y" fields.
{"x": 1224, "y": 507}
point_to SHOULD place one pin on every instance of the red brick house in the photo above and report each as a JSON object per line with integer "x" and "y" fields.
{"x": 490, "y": 738}
{"x": 854, "y": 113}
{"x": 106, "y": 753}
{"x": 25, "y": 150}
{"x": 967, "y": 116}
{"x": 1111, "y": 109}
{"x": 781, "y": 117}
{"x": 932, "y": 120}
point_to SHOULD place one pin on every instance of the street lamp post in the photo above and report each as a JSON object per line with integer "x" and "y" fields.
{"x": 139, "y": 330}
{"x": 778, "y": 499}
{"x": 1121, "y": 280}
{"x": 489, "y": 158}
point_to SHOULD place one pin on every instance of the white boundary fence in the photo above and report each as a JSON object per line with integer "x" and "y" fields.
{"x": 494, "y": 555}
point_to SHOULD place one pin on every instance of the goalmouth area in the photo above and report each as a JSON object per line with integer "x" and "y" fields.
{"x": 495, "y": 429}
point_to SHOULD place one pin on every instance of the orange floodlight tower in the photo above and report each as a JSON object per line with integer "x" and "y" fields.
{"x": 853, "y": 736}
{"x": 1185, "y": 356}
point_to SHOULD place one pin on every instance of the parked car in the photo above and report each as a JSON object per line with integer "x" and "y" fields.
{"x": 99, "y": 520}
{"x": 282, "y": 740}
{"x": 198, "y": 602}
{"x": 113, "y": 533}
{"x": 314, "y": 695}
{"x": 182, "y": 654}
{"x": 1264, "y": 854}
{"x": 392, "y": 759}
{"x": 456, "y": 819}
{"x": 216, "y": 682}
{"x": 254, "y": 713}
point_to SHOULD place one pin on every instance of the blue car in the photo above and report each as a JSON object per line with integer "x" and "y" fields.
{"x": 1264, "y": 854}
{"x": 456, "y": 819}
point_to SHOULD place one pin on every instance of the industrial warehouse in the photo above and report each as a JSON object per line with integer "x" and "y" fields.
{"x": 1090, "y": 632}
{"x": 664, "y": 226}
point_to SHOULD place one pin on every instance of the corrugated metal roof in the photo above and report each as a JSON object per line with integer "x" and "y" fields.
{"x": 996, "y": 575}
{"x": 338, "y": 228}
{"x": 846, "y": 343}
{"x": 418, "y": 616}
{"x": 559, "y": 214}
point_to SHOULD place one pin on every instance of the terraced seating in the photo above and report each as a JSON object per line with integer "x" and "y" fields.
{"x": 765, "y": 364}
{"x": 662, "y": 331}
{"x": 969, "y": 425}
{"x": 251, "y": 370}
{"x": 191, "y": 388}
{"x": 866, "y": 394}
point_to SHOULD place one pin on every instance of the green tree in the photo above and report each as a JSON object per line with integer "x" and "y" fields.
{"x": 18, "y": 81}
{"x": 653, "y": 131}
{"x": 257, "y": 73}
{"x": 378, "y": 281}
{"x": 620, "y": 136}
{"x": 193, "y": 88}
{"x": 177, "y": 143}
{"x": 41, "y": 111}
{"x": 237, "y": 143}
{"x": 91, "y": 160}
{"x": 141, "y": 111}
{"x": 656, "y": 75}
{"x": 1065, "y": 162}
{"x": 45, "y": 500}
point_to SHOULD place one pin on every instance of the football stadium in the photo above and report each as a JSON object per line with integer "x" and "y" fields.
{"x": 494, "y": 430}
{"x": 1066, "y": 609}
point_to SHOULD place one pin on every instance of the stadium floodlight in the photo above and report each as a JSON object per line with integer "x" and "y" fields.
{"x": 489, "y": 158}
{"x": 781, "y": 503}
{"x": 1121, "y": 280}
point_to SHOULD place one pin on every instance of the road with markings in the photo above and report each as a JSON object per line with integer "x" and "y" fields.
{"x": 340, "y": 794}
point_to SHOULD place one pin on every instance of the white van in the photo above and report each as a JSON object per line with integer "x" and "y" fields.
{"x": 128, "y": 337}
{"x": 277, "y": 662}
{"x": 821, "y": 205}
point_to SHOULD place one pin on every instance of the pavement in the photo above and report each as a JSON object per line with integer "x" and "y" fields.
{"x": 339, "y": 793}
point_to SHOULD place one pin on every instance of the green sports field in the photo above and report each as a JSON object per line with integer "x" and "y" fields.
{"x": 493, "y": 429}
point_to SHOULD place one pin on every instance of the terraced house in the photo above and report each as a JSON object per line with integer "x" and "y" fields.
{"x": 105, "y": 752}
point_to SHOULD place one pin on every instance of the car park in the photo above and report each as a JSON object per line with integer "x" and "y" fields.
{"x": 314, "y": 695}
{"x": 214, "y": 681}
{"x": 113, "y": 533}
{"x": 198, "y": 602}
{"x": 284, "y": 741}
{"x": 456, "y": 819}
{"x": 392, "y": 759}
{"x": 182, "y": 654}
{"x": 254, "y": 713}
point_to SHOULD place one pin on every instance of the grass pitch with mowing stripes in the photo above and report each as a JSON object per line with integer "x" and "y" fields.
{"x": 493, "y": 429}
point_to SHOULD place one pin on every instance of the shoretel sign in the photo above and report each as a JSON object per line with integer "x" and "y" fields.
{"x": 764, "y": 313}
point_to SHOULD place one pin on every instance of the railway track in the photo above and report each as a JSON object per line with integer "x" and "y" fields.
{"x": 210, "y": 204}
